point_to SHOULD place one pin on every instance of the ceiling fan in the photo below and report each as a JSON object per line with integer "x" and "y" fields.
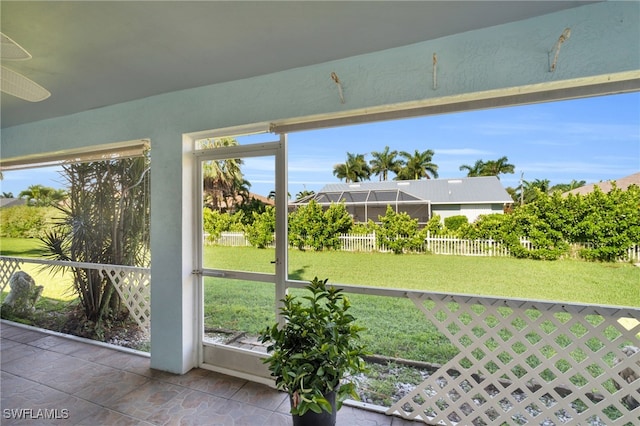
{"x": 14, "y": 83}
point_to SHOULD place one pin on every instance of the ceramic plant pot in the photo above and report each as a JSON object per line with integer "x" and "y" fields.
{"x": 323, "y": 418}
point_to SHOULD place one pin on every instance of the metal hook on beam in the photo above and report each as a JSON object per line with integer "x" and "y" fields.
{"x": 563, "y": 37}
{"x": 335, "y": 78}
{"x": 435, "y": 70}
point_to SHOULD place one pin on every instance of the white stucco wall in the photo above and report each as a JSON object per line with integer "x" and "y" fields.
{"x": 603, "y": 47}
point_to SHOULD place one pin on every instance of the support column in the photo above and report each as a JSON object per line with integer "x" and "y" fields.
{"x": 173, "y": 310}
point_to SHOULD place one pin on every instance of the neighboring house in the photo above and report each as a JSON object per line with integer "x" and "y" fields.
{"x": 421, "y": 199}
{"x": 11, "y": 202}
{"x": 606, "y": 186}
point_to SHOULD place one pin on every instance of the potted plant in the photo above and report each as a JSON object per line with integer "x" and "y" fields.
{"x": 315, "y": 353}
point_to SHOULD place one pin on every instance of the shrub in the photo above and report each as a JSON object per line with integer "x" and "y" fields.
{"x": 27, "y": 221}
{"x": 611, "y": 222}
{"x": 434, "y": 225}
{"x": 216, "y": 222}
{"x": 399, "y": 232}
{"x": 488, "y": 226}
{"x": 453, "y": 223}
{"x": 311, "y": 227}
{"x": 261, "y": 232}
{"x": 365, "y": 228}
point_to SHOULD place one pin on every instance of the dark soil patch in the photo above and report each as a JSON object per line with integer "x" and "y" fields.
{"x": 68, "y": 318}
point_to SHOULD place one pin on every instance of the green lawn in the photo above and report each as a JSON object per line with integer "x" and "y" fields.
{"x": 21, "y": 247}
{"x": 394, "y": 327}
{"x": 56, "y": 286}
{"x": 563, "y": 280}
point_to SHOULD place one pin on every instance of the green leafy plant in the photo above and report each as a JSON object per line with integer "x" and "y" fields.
{"x": 27, "y": 221}
{"x": 261, "y": 233}
{"x": 399, "y": 232}
{"x": 317, "y": 349}
{"x": 312, "y": 227}
{"x": 453, "y": 223}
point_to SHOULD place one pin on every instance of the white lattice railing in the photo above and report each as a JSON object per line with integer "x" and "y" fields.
{"x": 131, "y": 283}
{"x": 526, "y": 362}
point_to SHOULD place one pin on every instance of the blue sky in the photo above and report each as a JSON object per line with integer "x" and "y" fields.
{"x": 589, "y": 139}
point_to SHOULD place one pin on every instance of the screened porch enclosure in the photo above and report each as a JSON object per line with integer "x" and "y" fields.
{"x": 370, "y": 204}
{"x": 511, "y": 361}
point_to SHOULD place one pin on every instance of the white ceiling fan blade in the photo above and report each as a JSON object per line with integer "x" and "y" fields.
{"x": 10, "y": 50}
{"x": 21, "y": 87}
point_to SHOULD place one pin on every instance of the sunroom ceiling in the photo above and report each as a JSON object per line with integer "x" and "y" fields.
{"x": 94, "y": 54}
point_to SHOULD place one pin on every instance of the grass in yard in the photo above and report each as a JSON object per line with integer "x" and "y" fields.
{"x": 395, "y": 328}
{"x": 21, "y": 247}
{"x": 56, "y": 286}
{"x": 564, "y": 280}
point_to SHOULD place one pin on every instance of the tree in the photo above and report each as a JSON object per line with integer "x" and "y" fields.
{"x": 7, "y": 195}
{"x": 497, "y": 167}
{"x": 310, "y": 226}
{"x": 105, "y": 221}
{"x": 223, "y": 183}
{"x": 261, "y": 231}
{"x": 303, "y": 194}
{"x": 533, "y": 189}
{"x": 565, "y": 187}
{"x": 39, "y": 195}
{"x": 417, "y": 165}
{"x": 383, "y": 162}
{"x": 399, "y": 232}
{"x": 489, "y": 168}
{"x": 475, "y": 170}
{"x": 354, "y": 169}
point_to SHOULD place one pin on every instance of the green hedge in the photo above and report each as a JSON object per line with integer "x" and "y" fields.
{"x": 26, "y": 221}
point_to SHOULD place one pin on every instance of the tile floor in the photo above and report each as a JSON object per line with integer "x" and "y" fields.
{"x": 78, "y": 383}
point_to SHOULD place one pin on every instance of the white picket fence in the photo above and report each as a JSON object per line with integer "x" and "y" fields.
{"x": 439, "y": 244}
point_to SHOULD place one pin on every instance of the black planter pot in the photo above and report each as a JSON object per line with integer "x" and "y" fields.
{"x": 323, "y": 418}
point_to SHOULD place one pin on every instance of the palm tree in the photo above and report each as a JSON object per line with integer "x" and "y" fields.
{"x": 489, "y": 168}
{"x": 383, "y": 162}
{"x": 417, "y": 165}
{"x": 355, "y": 169}
{"x": 475, "y": 170}
{"x": 223, "y": 182}
{"x": 564, "y": 187}
{"x": 304, "y": 193}
{"x": 531, "y": 188}
{"x": 497, "y": 167}
{"x": 40, "y": 195}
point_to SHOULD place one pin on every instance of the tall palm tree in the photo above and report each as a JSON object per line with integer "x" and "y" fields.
{"x": 497, "y": 167}
{"x": 40, "y": 195}
{"x": 475, "y": 170}
{"x": 489, "y": 168}
{"x": 223, "y": 182}
{"x": 417, "y": 165}
{"x": 354, "y": 169}
{"x": 383, "y": 162}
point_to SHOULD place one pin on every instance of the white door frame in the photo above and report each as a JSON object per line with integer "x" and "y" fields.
{"x": 229, "y": 360}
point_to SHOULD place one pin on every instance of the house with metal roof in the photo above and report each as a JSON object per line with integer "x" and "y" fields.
{"x": 421, "y": 199}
